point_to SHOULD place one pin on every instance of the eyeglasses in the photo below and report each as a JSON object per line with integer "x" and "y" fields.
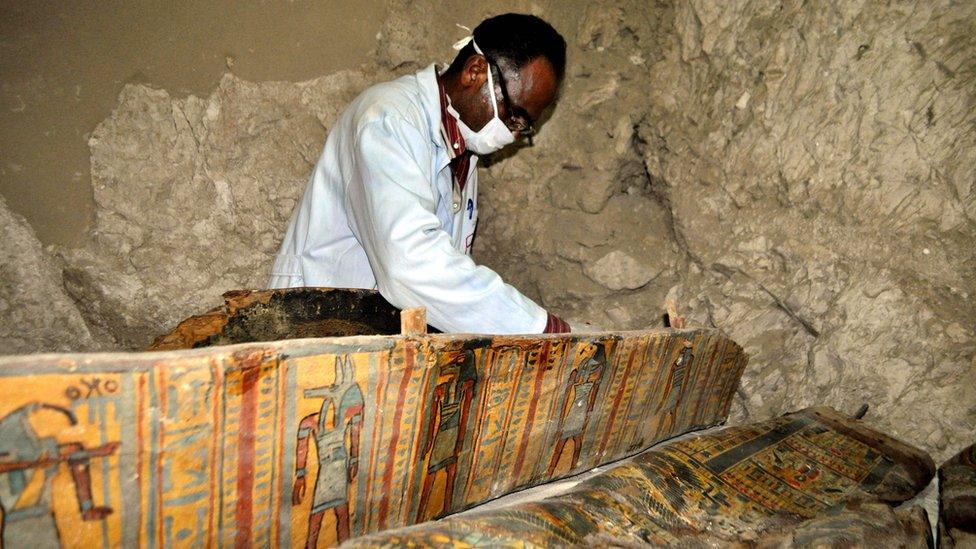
{"x": 518, "y": 121}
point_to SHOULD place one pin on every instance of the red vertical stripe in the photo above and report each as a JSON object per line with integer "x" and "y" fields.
{"x": 616, "y": 399}
{"x": 215, "y": 374}
{"x": 279, "y": 451}
{"x": 141, "y": 439}
{"x": 245, "y": 454}
{"x": 530, "y": 414}
{"x": 408, "y": 359}
{"x": 380, "y": 396}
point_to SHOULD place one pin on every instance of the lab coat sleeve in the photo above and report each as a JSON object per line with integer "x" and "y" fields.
{"x": 391, "y": 206}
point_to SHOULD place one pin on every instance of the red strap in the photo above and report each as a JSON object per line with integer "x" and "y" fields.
{"x": 556, "y": 325}
{"x": 459, "y": 168}
{"x": 460, "y": 156}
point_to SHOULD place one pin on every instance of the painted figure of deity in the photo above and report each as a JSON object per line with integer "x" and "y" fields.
{"x": 673, "y": 386}
{"x": 584, "y": 383}
{"x": 337, "y": 447}
{"x": 28, "y": 518}
{"x": 449, "y": 416}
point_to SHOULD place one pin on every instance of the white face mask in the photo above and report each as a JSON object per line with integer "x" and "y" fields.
{"x": 495, "y": 134}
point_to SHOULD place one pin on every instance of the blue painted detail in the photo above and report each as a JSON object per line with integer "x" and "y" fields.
{"x": 470, "y": 208}
{"x": 187, "y": 499}
{"x": 17, "y": 481}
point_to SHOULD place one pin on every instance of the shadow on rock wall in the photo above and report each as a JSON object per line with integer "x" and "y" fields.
{"x": 800, "y": 178}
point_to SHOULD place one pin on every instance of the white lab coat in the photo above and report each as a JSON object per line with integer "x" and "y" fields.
{"x": 381, "y": 211}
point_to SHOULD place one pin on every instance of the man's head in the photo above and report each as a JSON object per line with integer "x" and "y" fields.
{"x": 527, "y": 58}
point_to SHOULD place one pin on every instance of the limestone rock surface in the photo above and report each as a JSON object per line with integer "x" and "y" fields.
{"x": 619, "y": 271}
{"x": 193, "y": 196}
{"x": 802, "y": 177}
{"x": 36, "y": 314}
{"x": 841, "y": 191}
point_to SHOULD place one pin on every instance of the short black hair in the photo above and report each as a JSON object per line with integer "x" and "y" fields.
{"x": 516, "y": 38}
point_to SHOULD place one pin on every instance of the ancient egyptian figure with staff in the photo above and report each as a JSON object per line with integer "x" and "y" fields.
{"x": 449, "y": 415}
{"x": 337, "y": 447}
{"x": 584, "y": 383}
{"x": 28, "y": 521}
{"x": 673, "y": 387}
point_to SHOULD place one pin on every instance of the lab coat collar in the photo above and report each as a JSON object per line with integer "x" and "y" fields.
{"x": 430, "y": 95}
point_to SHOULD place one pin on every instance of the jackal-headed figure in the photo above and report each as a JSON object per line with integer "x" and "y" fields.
{"x": 28, "y": 520}
{"x": 337, "y": 447}
{"x": 451, "y": 405}
{"x": 673, "y": 386}
{"x": 584, "y": 383}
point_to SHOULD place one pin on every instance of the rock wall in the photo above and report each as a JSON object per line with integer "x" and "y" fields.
{"x": 36, "y": 313}
{"x": 819, "y": 168}
{"x": 801, "y": 177}
{"x": 193, "y": 197}
{"x": 813, "y": 174}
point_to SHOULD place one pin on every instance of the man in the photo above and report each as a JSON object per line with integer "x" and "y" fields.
{"x": 392, "y": 202}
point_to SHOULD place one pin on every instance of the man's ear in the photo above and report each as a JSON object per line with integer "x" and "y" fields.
{"x": 475, "y": 72}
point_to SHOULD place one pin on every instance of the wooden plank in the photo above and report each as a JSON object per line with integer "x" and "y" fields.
{"x": 413, "y": 321}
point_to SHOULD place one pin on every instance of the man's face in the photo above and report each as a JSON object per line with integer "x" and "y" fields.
{"x": 522, "y": 96}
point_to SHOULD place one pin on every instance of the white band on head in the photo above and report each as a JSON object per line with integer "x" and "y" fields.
{"x": 460, "y": 44}
{"x": 464, "y": 41}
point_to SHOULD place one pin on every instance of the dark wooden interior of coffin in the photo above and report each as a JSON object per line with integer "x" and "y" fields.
{"x": 308, "y": 312}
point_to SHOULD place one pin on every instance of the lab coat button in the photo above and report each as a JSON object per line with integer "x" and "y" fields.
{"x": 457, "y": 206}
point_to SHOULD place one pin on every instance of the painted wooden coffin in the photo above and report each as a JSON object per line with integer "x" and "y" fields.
{"x": 314, "y": 441}
{"x": 813, "y": 478}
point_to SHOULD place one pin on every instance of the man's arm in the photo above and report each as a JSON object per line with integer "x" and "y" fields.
{"x": 391, "y": 208}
